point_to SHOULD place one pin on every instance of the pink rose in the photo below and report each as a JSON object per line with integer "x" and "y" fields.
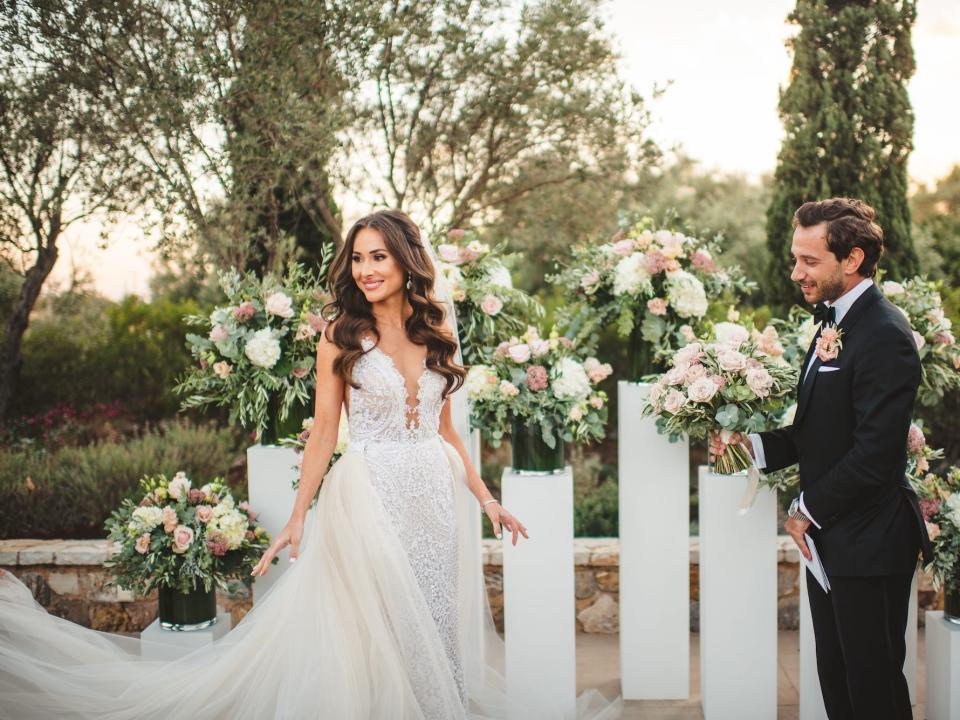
{"x": 508, "y": 389}
{"x": 449, "y": 253}
{"x": 204, "y": 514}
{"x": 623, "y": 247}
{"x": 658, "y": 306}
{"x": 143, "y": 543}
{"x": 702, "y": 260}
{"x": 279, "y": 304}
{"x": 182, "y": 538}
{"x": 244, "y": 311}
{"x": 576, "y": 414}
{"x": 491, "y": 304}
{"x": 944, "y": 337}
{"x": 673, "y": 401}
{"x": 694, "y": 373}
{"x": 702, "y": 390}
{"x": 519, "y": 353}
{"x": 916, "y": 441}
{"x": 170, "y": 519}
{"x": 539, "y": 347}
{"x": 305, "y": 331}
{"x": 456, "y": 233}
{"x": 222, "y": 369}
{"x": 537, "y": 378}
{"x": 918, "y": 338}
{"x": 218, "y": 334}
{"x": 760, "y": 381}
{"x": 596, "y": 401}
{"x": 179, "y": 485}
{"x": 731, "y": 360}
{"x": 589, "y": 281}
{"x": 251, "y": 513}
{"x": 316, "y": 322}
{"x": 687, "y": 333}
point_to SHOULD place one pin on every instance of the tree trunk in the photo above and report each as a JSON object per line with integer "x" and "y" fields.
{"x": 17, "y": 324}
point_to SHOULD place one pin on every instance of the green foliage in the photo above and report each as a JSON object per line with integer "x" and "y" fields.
{"x": 69, "y": 493}
{"x": 88, "y": 350}
{"x": 848, "y": 126}
{"x": 596, "y": 514}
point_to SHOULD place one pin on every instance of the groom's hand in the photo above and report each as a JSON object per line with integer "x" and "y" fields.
{"x": 797, "y": 529}
{"x": 717, "y": 445}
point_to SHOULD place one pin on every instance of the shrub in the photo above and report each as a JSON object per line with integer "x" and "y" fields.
{"x": 70, "y": 492}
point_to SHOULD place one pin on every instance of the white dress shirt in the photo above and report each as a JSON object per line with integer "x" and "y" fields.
{"x": 841, "y": 305}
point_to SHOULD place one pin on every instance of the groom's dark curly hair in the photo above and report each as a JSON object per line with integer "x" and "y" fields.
{"x": 850, "y": 223}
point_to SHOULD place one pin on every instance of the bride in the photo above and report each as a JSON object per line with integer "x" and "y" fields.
{"x": 385, "y": 616}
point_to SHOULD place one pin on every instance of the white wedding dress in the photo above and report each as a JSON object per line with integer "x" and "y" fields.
{"x": 383, "y": 616}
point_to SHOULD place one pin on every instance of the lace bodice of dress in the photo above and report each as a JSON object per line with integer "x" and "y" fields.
{"x": 380, "y": 410}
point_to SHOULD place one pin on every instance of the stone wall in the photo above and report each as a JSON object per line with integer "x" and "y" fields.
{"x": 68, "y": 579}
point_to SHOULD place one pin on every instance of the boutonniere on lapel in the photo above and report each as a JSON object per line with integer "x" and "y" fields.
{"x": 830, "y": 343}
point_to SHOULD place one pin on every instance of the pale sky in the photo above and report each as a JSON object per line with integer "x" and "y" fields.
{"x": 726, "y": 61}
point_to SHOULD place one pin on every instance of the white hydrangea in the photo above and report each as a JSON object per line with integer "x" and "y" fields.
{"x": 500, "y": 276}
{"x": 148, "y": 517}
{"x": 231, "y": 525}
{"x": 631, "y": 276}
{"x": 686, "y": 294}
{"x": 481, "y": 382}
{"x": 263, "y": 349}
{"x": 571, "y": 380}
{"x": 953, "y": 502}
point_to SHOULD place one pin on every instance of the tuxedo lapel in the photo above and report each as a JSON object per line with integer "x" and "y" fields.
{"x": 856, "y": 310}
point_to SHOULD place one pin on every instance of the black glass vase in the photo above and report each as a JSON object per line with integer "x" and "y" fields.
{"x": 530, "y": 452}
{"x": 194, "y": 610}
{"x": 291, "y": 425}
{"x": 951, "y": 604}
{"x": 639, "y": 356}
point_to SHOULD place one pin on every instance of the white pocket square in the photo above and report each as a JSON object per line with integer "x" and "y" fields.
{"x": 827, "y": 368}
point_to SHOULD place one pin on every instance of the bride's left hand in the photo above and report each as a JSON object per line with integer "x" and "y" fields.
{"x": 499, "y": 516}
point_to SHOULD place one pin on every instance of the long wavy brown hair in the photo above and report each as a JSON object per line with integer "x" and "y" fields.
{"x": 353, "y": 313}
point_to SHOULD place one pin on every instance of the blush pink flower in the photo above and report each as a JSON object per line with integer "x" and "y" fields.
{"x": 537, "y": 378}
{"x": 519, "y": 353}
{"x": 244, "y": 311}
{"x": 658, "y": 306}
{"x": 143, "y": 543}
{"x": 929, "y": 508}
{"x": 251, "y": 513}
{"x": 656, "y": 262}
{"x": 456, "y": 233}
{"x": 217, "y": 547}
{"x": 218, "y": 333}
{"x": 944, "y": 337}
{"x": 829, "y": 344}
{"x": 182, "y": 538}
{"x": 196, "y": 496}
{"x": 491, "y": 305}
{"x": 623, "y": 247}
{"x": 204, "y": 514}
{"x": 316, "y": 322}
{"x": 919, "y": 340}
{"x": 933, "y": 531}
{"x": 916, "y": 441}
{"x": 702, "y": 260}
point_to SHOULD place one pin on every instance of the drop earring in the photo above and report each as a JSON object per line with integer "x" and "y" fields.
{"x": 409, "y": 276}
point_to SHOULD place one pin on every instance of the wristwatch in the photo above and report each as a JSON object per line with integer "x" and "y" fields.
{"x": 795, "y": 512}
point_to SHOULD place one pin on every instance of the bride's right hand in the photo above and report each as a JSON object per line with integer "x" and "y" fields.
{"x": 291, "y": 535}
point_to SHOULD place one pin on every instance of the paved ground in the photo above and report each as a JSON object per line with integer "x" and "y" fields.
{"x": 598, "y": 665}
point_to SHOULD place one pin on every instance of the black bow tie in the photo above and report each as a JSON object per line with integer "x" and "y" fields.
{"x": 824, "y": 314}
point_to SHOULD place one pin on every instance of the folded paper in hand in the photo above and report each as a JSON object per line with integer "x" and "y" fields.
{"x": 814, "y": 565}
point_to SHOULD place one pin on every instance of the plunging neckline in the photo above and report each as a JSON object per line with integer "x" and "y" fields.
{"x": 412, "y": 411}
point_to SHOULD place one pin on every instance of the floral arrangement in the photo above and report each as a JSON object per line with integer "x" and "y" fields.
{"x": 919, "y": 300}
{"x": 736, "y": 381}
{"x": 541, "y": 381}
{"x": 489, "y": 309}
{"x": 257, "y": 353}
{"x": 179, "y": 536}
{"x": 299, "y": 442}
{"x": 655, "y": 286}
{"x": 940, "y": 505}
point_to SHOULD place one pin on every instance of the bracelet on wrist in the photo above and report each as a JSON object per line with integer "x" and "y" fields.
{"x": 488, "y": 502}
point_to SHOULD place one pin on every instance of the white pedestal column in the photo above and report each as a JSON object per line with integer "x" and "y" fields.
{"x": 538, "y": 595}
{"x": 943, "y": 667}
{"x": 271, "y": 470}
{"x": 738, "y": 601}
{"x": 811, "y": 698}
{"x": 910, "y": 661}
{"x": 156, "y": 643}
{"x": 654, "y": 480}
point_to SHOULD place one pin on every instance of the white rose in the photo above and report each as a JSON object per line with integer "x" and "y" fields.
{"x": 279, "y": 304}
{"x": 694, "y": 373}
{"x": 760, "y": 381}
{"x": 686, "y": 294}
{"x": 576, "y": 414}
{"x": 676, "y": 375}
{"x": 702, "y": 390}
{"x": 519, "y": 353}
{"x": 731, "y": 360}
{"x": 731, "y": 333}
{"x": 539, "y": 347}
{"x": 179, "y": 485}
{"x": 449, "y": 253}
{"x": 892, "y": 288}
{"x": 263, "y": 349}
{"x": 673, "y": 401}
{"x": 630, "y": 275}
{"x": 571, "y": 381}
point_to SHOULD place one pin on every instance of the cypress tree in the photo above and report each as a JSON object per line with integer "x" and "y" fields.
{"x": 848, "y": 126}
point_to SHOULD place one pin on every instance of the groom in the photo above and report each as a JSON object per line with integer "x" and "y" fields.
{"x": 849, "y": 434}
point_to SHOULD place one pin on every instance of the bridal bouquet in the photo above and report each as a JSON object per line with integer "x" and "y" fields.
{"x": 489, "y": 309}
{"x": 919, "y": 300}
{"x": 654, "y": 286}
{"x": 257, "y": 353}
{"x": 179, "y": 536}
{"x": 736, "y": 381}
{"x": 541, "y": 382}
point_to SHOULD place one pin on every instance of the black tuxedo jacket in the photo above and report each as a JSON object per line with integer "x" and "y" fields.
{"x": 849, "y": 435}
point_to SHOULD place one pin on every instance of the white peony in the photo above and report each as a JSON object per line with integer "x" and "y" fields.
{"x": 279, "y": 304}
{"x": 731, "y": 333}
{"x": 686, "y": 294}
{"x": 702, "y": 390}
{"x": 263, "y": 349}
{"x": 571, "y": 380}
{"x": 631, "y": 276}
{"x": 148, "y": 517}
